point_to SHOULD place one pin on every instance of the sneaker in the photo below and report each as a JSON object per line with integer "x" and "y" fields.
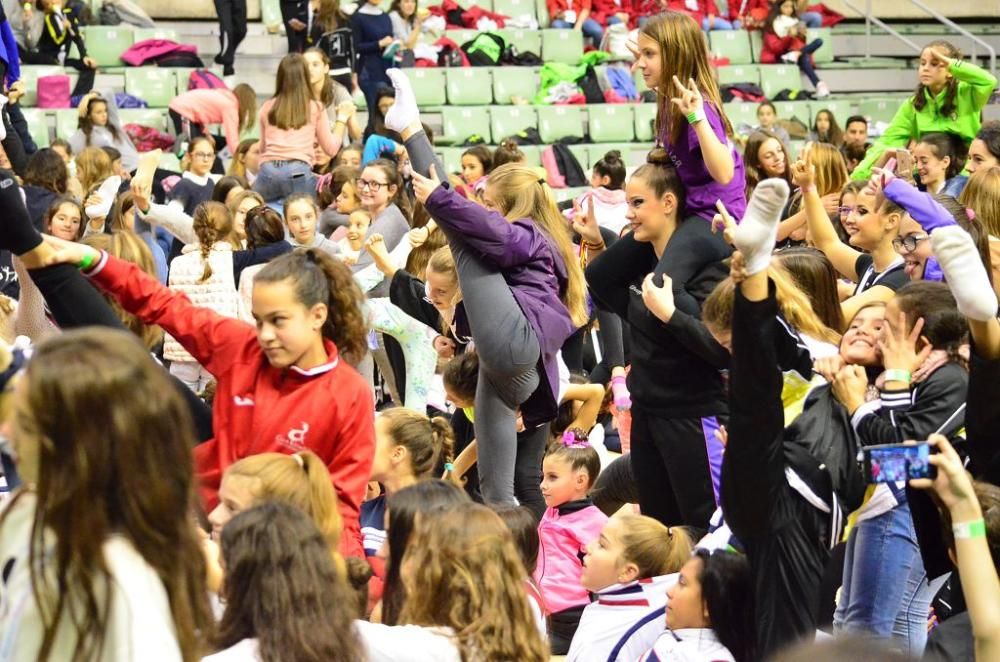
{"x": 791, "y": 57}
{"x": 822, "y": 90}
{"x": 389, "y": 53}
{"x": 107, "y": 192}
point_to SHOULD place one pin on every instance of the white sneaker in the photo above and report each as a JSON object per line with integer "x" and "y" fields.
{"x": 107, "y": 192}
{"x": 822, "y": 90}
{"x": 791, "y": 57}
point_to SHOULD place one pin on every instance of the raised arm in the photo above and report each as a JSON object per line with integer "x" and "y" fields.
{"x": 842, "y": 256}
{"x": 900, "y": 131}
{"x": 921, "y": 206}
{"x": 709, "y": 129}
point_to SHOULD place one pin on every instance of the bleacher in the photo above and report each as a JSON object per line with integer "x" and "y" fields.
{"x": 460, "y": 102}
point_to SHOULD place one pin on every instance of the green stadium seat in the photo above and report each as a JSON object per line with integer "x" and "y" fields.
{"x": 157, "y": 87}
{"x": 169, "y": 161}
{"x": 532, "y": 155}
{"x": 801, "y": 110}
{"x": 562, "y": 46}
{"x": 582, "y": 154}
{"x": 142, "y": 34}
{"x": 777, "y": 77}
{"x": 878, "y": 110}
{"x": 514, "y": 82}
{"x": 525, "y": 41}
{"x": 67, "y": 122}
{"x": 825, "y": 52}
{"x": 542, "y": 12}
{"x": 183, "y": 76}
{"x": 428, "y": 85}
{"x": 514, "y": 9}
{"x": 461, "y": 36}
{"x": 505, "y": 121}
{"x": 841, "y": 109}
{"x": 469, "y": 86}
{"x": 106, "y": 44}
{"x": 451, "y": 158}
{"x": 611, "y": 123}
{"x": 30, "y": 75}
{"x": 645, "y": 118}
{"x": 738, "y": 73}
{"x": 462, "y": 123}
{"x": 631, "y": 153}
{"x": 152, "y": 117}
{"x": 732, "y": 44}
{"x": 555, "y": 122}
{"x": 741, "y": 112}
{"x": 38, "y": 125}
{"x": 795, "y": 148}
{"x": 756, "y": 44}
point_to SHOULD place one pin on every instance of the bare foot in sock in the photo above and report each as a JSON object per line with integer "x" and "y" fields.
{"x": 964, "y": 273}
{"x": 404, "y": 111}
{"x": 757, "y": 232}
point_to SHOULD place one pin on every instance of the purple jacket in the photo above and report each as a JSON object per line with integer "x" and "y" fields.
{"x": 563, "y": 534}
{"x": 536, "y": 273}
{"x": 925, "y": 210}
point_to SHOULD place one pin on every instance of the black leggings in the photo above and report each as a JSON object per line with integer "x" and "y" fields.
{"x": 85, "y": 79}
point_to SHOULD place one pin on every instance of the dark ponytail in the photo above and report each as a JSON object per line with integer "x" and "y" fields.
{"x": 612, "y": 167}
{"x": 661, "y": 177}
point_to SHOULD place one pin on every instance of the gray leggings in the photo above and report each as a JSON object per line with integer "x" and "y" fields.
{"x": 507, "y": 347}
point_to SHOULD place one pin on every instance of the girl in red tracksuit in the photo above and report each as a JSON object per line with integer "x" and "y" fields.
{"x": 284, "y": 387}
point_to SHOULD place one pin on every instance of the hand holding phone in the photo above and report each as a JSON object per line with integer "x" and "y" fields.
{"x": 890, "y": 463}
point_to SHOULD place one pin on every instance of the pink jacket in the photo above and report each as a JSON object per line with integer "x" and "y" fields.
{"x": 211, "y": 106}
{"x": 563, "y": 534}
{"x": 148, "y": 49}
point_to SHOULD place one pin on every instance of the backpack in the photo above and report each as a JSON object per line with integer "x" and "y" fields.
{"x": 516, "y": 58}
{"x": 590, "y": 84}
{"x": 562, "y": 167}
{"x": 179, "y": 59}
{"x": 485, "y": 50}
{"x": 793, "y": 95}
{"x": 203, "y": 79}
{"x": 742, "y": 92}
{"x": 147, "y": 139}
{"x": 450, "y": 54}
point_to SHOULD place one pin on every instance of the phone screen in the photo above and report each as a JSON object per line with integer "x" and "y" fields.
{"x": 897, "y": 462}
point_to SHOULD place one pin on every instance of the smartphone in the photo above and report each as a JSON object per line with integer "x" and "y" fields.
{"x": 890, "y": 463}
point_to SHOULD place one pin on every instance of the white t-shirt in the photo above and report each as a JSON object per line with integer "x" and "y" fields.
{"x": 244, "y": 651}
{"x": 693, "y": 645}
{"x": 140, "y": 625}
{"x": 413, "y": 643}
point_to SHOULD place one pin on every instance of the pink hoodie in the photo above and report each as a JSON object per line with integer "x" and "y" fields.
{"x": 562, "y": 539}
{"x": 609, "y": 208}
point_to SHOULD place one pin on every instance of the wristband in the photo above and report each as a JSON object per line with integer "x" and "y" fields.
{"x": 898, "y": 376}
{"x": 448, "y": 466}
{"x": 809, "y": 189}
{"x": 966, "y": 530}
{"x": 595, "y": 247}
{"x": 86, "y": 262}
{"x": 696, "y": 116}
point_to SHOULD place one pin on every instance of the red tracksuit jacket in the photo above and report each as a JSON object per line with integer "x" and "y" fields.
{"x": 257, "y": 408}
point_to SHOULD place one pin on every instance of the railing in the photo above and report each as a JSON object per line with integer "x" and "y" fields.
{"x": 869, "y": 20}
{"x": 941, "y": 18}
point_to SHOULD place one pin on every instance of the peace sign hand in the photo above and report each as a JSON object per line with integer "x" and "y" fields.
{"x": 585, "y": 223}
{"x": 690, "y": 100}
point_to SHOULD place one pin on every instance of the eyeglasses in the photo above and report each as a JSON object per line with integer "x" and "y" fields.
{"x": 845, "y": 211}
{"x": 205, "y": 156}
{"x": 374, "y": 186}
{"x": 909, "y": 242}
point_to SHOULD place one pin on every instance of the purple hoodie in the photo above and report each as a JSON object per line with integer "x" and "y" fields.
{"x": 536, "y": 273}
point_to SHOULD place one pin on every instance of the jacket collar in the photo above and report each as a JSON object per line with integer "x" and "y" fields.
{"x": 333, "y": 359}
{"x": 574, "y": 506}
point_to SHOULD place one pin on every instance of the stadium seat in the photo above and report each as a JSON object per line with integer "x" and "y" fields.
{"x": 542, "y": 12}
{"x": 157, "y": 87}
{"x": 582, "y": 154}
{"x": 878, "y": 110}
{"x": 67, "y": 122}
{"x": 555, "y": 122}
{"x": 461, "y": 36}
{"x": 514, "y": 82}
{"x": 169, "y": 161}
{"x": 632, "y": 153}
{"x": 525, "y": 41}
{"x": 645, "y": 117}
{"x": 469, "y": 86}
{"x": 106, "y": 44}
{"x": 756, "y": 44}
{"x": 532, "y": 155}
{"x": 30, "y": 75}
{"x": 515, "y": 9}
{"x": 428, "y": 86}
{"x": 505, "y": 121}
{"x": 739, "y": 74}
{"x": 841, "y": 109}
{"x": 740, "y": 113}
{"x": 777, "y": 77}
{"x": 183, "y": 76}
{"x": 562, "y": 46}
{"x": 38, "y": 125}
{"x": 611, "y": 123}
{"x": 451, "y": 158}
{"x": 802, "y": 110}
{"x": 825, "y": 52}
{"x": 462, "y": 123}
{"x": 731, "y": 44}
{"x": 142, "y": 34}
{"x": 151, "y": 117}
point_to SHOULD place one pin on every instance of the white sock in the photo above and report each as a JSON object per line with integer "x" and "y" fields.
{"x": 757, "y": 232}
{"x": 404, "y": 111}
{"x": 108, "y": 191}
{"x": 964, "y": 273}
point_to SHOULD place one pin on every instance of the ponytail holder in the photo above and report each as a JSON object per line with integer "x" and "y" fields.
{"x": 299, "y": 460}
{"x": 571, "y": 439}
{"x": 311, "y": 256}
{"x": 448, "y": 466}
{"x": 970, "y": 213}
{"x": 541, "y": 181}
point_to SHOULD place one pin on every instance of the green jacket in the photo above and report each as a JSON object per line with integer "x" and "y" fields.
{"x": 975, "y": 86}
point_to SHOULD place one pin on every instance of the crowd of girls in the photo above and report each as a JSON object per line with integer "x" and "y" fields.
{"x": 251, "y": 415}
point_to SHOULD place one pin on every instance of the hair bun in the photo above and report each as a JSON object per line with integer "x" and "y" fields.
{"x": 613, "y": 157}
{"x": 659, "y": 156}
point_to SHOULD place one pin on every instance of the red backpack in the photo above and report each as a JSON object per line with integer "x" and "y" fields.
{"x": 203, "y": 79}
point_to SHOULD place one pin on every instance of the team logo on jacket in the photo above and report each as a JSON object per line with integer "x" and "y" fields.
{"x": 295, "y": 438}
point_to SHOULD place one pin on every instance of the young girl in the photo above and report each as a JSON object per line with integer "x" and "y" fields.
{"x": 709, "y": 614}
{"x": 88, "y": 573}
{"x": 477, "y": 162}
{"x": 765, "y": 156}
{"x": 629, "y": 568}
{"x": 353, "y": 243}
{"x": 301, "y": 218}
{"x": 285, "y": 597}
{"x": 571, "y": 522}
{"x": 290, "y": 123}
{"x": 60, "y": 32}
{"x": 204, "y": 273}
{"x": 92, "y": 168}
{"x": 380, "y": 189}
{"x": 831, "y": 178}
{"x": 350, "y": 155}
{"x": 408, "y": 447}
{"x": 785, "y": 41}
{"x": 334, "y": 96}
{"x": 372, "y": 29}
{"x": 235, "y": 110}
{"x": 982, "y": 196}
{"x": 100, "y": 126}
{"x": 825, "y": 129}
{"x": 984, "y": 151}
{"x": 64, "y": 219}
{"x": 607, "y": 192}
{"x": 767, "y": 119}
{"x": 198, "y": 182}
{"x": 846, "y": 205}
{"x": 522, "y": 289}
{"x": 692, "y": 127}
{"x": 676, "y": 390}
{"x": 308, "y": 313}
{"x": 407, "y": 22}
{"x": 939, "y": 160}
{"x": 266, "y": 237}
{"x": 949, "y": 98}
{"x": 246, "y": 160}
{"x": 465, "y": 596}
{"x": 575, "y": 15}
